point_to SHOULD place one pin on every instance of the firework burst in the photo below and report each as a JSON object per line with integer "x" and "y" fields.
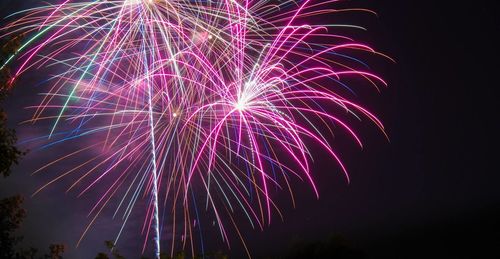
{"x": 187, "y": 97}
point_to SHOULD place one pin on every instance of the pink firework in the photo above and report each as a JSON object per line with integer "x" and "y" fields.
{"x": 184, "y": 97}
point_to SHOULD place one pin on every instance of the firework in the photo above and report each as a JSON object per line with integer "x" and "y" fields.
{"x": 183, "y": 98}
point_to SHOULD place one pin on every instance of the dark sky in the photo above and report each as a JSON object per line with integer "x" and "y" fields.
{"x": 433, "y": 186}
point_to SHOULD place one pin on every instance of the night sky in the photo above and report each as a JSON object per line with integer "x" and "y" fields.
{"x": 432, "y": 190}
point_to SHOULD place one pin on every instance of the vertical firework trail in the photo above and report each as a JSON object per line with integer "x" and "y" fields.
{"x": 154, "y": 170}
{"x": 156, "y": 223}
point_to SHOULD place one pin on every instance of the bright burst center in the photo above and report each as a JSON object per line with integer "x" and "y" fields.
{"x": 240, "y": 105}
{"x": 137, "y": 2}
{"x": 132, "y": 2}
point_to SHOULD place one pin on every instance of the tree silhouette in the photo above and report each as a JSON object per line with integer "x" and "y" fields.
{"x": 56, "y": 251}
{"x": 9, "y": 153}
{"x": 12, "y": 213}
{"x": 11, "y": 217}
{"x": 333, "y": 247}
{"x": 113, "y": 252}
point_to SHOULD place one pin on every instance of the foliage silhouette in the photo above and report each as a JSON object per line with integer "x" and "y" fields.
{"x": 12, "y": 213}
